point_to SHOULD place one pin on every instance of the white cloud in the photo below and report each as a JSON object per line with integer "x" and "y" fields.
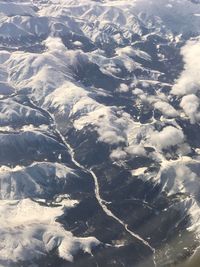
{"x": 133, "y": 150}
{"x": 111, "y": 128}
{"x": 137, "y": 150}
{"x": 190, "y": 105}
{"x": 181, "y": 177}
{"x": 189, "y": 82}
{"x": 168, "y": 137}
{"x": 166, "y": 109}
{"x": 118, "y": 154}
{"x": 53, "y": 43}
{"x": 184, "y": 149}
{"x": 137, "y": 91}
{"x": 123, "y": 88}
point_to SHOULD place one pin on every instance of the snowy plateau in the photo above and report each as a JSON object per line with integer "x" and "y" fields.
{"x": 99, "y": 133}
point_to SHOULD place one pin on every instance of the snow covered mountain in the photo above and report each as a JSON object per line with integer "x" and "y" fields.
{"x": 99, "y": 133}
